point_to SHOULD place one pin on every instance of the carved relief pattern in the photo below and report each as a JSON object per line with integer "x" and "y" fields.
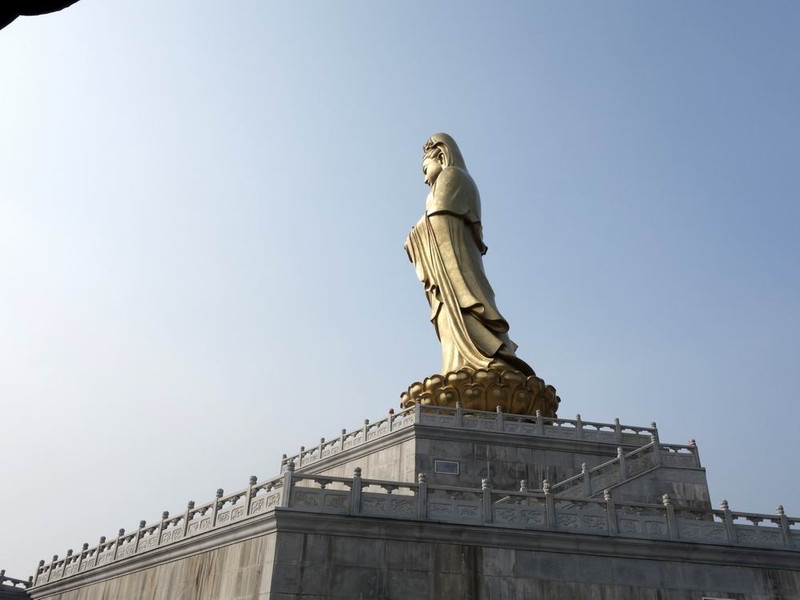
{"x": 654, "y": 528}
{"x": 468, "y": 511}
{"x": 533, "y": 517}
{"x": 147, "y": 543}
{"x": 265, "y": 503}
{"x": 337, "y": 502}
{"x": 628, "y": 526}
{"x": 403, "y": 507}
{"x": 439, "y": 509}
{"x": 506, "y": 515}
{"x": 677, "y": 460}
{"x": 373, "y": 504}
{"x": 306, "y": 498}
{"x": 171, "y": 535}
{"x": 595, "y": 523}
{"x": 567, "y": 521}
{"x": 696, "y": 531}
{"x": 758, "y": 536}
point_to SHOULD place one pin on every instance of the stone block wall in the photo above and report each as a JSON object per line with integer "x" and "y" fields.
{"x": 370, "y": 562}
{"x": 239, "y": 571}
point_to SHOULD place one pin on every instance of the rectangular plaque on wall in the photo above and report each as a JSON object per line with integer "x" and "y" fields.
{"x": 446, "y": 467}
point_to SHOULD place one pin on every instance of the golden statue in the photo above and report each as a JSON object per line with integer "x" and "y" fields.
{"x": 446, "y": 247}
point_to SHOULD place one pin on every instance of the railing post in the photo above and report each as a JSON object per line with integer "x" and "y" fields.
{"x": 288, "y": 482}
{"x": 617, "y": 431}
{"x": 142, "y": 524}
{"x": 499, "y": 418}
{"x": 220, "y": 494}
{"x": 549, "y": 506}
{"x": 100, "y": 546}
{"x": 186, "y": 517}
{"x": 696, "y": 452}
{"x": 417, "y": 413}
{"x": 120, "y": 535}
{"x": 587, "y": 481}
{"x": 391, "y": 419}
{"x": 422, "y": 496}
{"x": 486, "y": 498}
{"x": 672, "y": 524}
{"x": 459, "y": 415}
{"x": 162, "y": 526}
{"x": 730, "y": 530}
{"x": 82, "y": 555}
{"x": 623, "y": 466}
{"x": 523, "y": 486}
{"x": 300, "y": 456}
{"x": 355, "y": 492}
{"x": 655, "y": 431}
{"x": 250, "y": 486}
{"x": 611, "y": 513}
{"x": 69, "y": 555}
{"x": 578, "y": 427}
{"x": 39, "y": 571}
{"x": 784, "y": 523}
{"x": 539, "y": 423}
{"x": 656, "y": 450}
{"x": 55, "y": 560}
{"x": 341, "y": 439}
{"x": 365, "y": 428}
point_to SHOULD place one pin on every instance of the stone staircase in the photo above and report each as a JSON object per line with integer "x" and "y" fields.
{"x": 625, "y": 469}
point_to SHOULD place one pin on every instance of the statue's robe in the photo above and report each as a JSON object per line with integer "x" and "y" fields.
{"x": 446, "y": 247}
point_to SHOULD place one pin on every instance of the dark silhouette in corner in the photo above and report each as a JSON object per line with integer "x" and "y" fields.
{"x": 11, "y": 9}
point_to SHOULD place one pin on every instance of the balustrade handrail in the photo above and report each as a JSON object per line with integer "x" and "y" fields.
{"x": 576, "y": 479}
{"x": 418, "y": 413}
{"x": 481, "y": 498}
{"x": 13, "y": 582}
{"x": 677, "y": 448}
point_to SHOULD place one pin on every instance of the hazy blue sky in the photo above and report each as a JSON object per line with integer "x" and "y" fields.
{"x": 203, "y": 208}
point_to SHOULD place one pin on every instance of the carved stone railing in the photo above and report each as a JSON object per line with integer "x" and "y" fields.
{"x": 590, "y": 482}
{"x": 347, "y": 440}
{"x": 10, "y": 582}
{"x": 540, "y": 510}
{"x": 256, "y": 498}
{"x": 475, "y": 420}
{"x": 525, "y": 509}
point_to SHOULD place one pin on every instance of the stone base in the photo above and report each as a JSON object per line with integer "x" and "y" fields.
{"x": 292, "y": 555}
{"x": 485, "y": 389}
{"x": 429, "y": 504}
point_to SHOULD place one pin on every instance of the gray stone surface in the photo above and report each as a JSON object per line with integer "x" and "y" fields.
{"x": 516, "y": 453}
{"x": 330, "y": 556}
{"x": 633, "y": 522}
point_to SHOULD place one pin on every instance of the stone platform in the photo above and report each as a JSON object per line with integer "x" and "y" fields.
{"x": 440, "y": 503}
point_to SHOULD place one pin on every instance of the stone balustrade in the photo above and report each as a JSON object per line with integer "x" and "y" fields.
{"x": 476, "y": 420}
{"x": 255, "y": 499}
{"x": 593, "y": 481}
{"x": 14, "y": 583}
{"x": 534, "y": 510}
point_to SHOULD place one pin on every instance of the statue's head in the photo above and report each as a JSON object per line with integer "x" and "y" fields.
{"x": 440, "y": 151}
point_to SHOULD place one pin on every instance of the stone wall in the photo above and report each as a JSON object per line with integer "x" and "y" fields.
{"x": 387, "y": 562}
{"x": 308, "y": 556}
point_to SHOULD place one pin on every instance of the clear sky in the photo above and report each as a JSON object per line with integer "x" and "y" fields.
{"x": 203, "y": 208}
